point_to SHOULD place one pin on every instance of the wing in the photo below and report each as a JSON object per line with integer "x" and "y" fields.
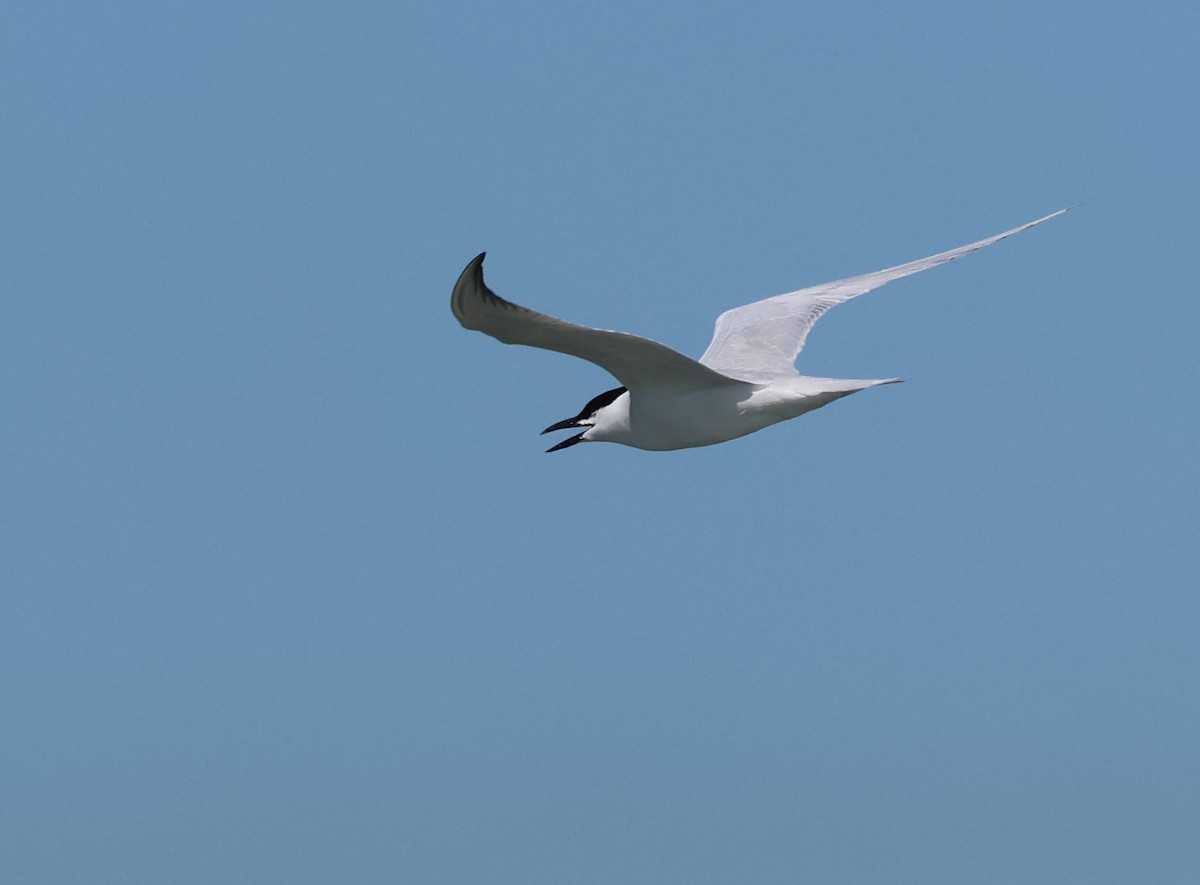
{"x": 763, "y": 339}
{"x": 635, "y": 362}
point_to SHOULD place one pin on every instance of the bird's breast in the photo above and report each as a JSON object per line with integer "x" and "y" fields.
{"x": 701, "y": 418}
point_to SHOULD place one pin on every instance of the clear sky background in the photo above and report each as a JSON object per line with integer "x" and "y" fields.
{"x": 290, "y": 592}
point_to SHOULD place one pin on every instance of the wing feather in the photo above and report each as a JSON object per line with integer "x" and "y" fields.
{"x": 762, "y": 340}
{"x": 635, "y": 362}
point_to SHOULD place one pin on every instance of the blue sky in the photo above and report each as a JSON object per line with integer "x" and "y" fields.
{"x": 292, "y": 594}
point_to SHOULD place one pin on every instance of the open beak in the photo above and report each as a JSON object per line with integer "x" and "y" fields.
{"x": 565, "y": 424}
{"x": 566, "y": 443}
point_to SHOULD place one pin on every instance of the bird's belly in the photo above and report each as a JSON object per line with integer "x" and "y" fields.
{"x": 662, "y": 424}
{"x": 711, "y": 417}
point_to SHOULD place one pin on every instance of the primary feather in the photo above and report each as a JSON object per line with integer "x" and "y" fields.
{"x": 761, "y": 340}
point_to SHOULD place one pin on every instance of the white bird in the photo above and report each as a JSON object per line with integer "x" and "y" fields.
{"x": 745, "y": 381}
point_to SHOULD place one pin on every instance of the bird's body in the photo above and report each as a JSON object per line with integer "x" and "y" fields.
{"x": 745, "y": 380}
{"x": 663, "y": 421}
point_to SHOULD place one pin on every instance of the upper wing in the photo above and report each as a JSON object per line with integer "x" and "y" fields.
{"x": 635, "y": 362}
{"x": 763, "y": 339}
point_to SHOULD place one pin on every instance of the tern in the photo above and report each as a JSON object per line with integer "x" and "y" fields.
{"x": 745, "y": 381}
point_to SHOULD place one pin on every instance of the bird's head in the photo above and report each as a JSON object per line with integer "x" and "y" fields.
{"x": 586, "y": 418}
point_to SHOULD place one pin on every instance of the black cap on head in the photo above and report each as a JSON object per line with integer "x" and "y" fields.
{"x": 594, "y": 405}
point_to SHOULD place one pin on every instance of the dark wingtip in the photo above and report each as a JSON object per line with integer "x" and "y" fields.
{"x": 470, "y": 278}
{"x": 473, "y": 270}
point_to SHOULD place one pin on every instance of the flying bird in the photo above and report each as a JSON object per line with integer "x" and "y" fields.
{"x": 745, "y": 381}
